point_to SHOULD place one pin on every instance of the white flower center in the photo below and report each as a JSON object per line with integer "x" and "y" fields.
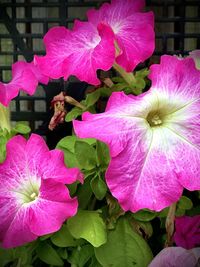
{"x": 28, "y": 191}
{"x": 155, "y": 119}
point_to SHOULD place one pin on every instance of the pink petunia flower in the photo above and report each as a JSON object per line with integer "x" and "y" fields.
{"x": 176, "y": 257}
{"x": 80, "y": 52}
{"x": 34, "y": 200}
{"x": 25, "y": 76}
{"x": 187, "y": 234}
{"x": 133, "y": 29}
{"x": 153, "y": 138}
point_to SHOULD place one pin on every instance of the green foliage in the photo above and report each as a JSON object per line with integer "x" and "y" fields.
{"x": 124, "y": 248}
{"x": 88, "y": 225}
{"x": 88, "y": 103}
{"x": 85, "y": 155}
{"x": 21, "y": 128}
{"x": 19, "y": 257}
{"x": 48, "y": 254}
{"x": 98, "y": 187}
{"x": 63, "y": 238}
{"x": 144, "y": 215}
{"x": 185, "y": 203}
{"x": 81, "y": 255}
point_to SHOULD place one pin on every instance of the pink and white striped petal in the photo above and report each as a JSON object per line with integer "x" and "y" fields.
{"x": 153, "y": 139}
{"x": 34, "y": 200}
{"x": 80, "y": 52}
{"x": 25, "y": 76}
{"x": 133, "y": 29}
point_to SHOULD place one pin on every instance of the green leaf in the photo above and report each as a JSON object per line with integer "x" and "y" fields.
{"x": 180, "y": 212}
{"x": 69, "y": 142}
{"x": 85, "y": 155}
{"x": 117, "y": 79}
{"x": 185, "y": 203}
{"x": 21, "y": 128}
{"x": 63, "y": 253}
{"x": 92, "y": 98}
{"x": 67, "y": 146}
{"x": 124, "y": 248}
{"x": 3, "y": 141}
{"x": 142, "y": 73}
{"x": 73, "y": 114}
{"x": 163, "y": 213}
{"x": 144, "y": 215}
{"x": 81, "y": 255}
{"x": 63, "y": 238}
{"x": 194, "y": 211}
{"x": 84, "y": 194}
{"x": 103, "y": 154}
{"x": 48, "y": 254}
{"x": 88, "y": 225}
{"x": 99, "y": 187}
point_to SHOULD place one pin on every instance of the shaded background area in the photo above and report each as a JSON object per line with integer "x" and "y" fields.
{"x": 23, "y": 24}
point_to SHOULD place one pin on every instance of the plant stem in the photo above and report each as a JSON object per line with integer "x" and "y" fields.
{"x": 128, "y": 76}
{"x": 169, "y": 225}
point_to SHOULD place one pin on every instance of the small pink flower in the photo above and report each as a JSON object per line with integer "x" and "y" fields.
{"x": 187, "y": 234}
{"x": 80, "y": 52}
{"x": 34, "y": 200}
{"x": 153, "y": 138}
{"x": 25, "y": 76}
{"x": 133, "y": 29}
{"x": 176, "y": 257}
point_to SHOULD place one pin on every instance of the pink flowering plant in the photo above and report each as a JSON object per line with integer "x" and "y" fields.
{"x": 125, "y": 184}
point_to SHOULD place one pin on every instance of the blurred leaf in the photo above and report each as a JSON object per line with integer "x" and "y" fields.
{"x": 194, "y": 211}
{"x": 84, "y": 194}
{"x": 180, "y": 212}
{"x": 144, "y": 215}
{"x": 103, "y": 154}
{"x": 73, "y": 114}
{"x": 48, "y": 254}
{"x": 185, "y": 203}
{"x": 63, "y": 238}
{"x": 88, "y": 225}
{"x": 63, "y": 253}
{"x": 99, "y": 187}
{"x": 124, "y": 248}
{"x": 85, "y": 155}
{"x": 81, "y": 255}
{"x": 163, "y": 213}
{"x": 21, "y": 128}
{"x": 92, "y": 98}
{"x": 3, "y": 141}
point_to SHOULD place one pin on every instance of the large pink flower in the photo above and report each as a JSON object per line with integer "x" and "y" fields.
{"x": 34, "y": 200}
{"x": 25, "y": 76}
{"x": 133, "y": 29}
{"x": 187, "y": 234}
{"x": 80, "y": 52}
{"x": 153, "y": 138}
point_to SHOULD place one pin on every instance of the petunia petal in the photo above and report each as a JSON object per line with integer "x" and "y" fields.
{"x": 52, "y": 208}
{"x": 133, "y": 30}
{"x": 145, "y": 177}
{"x": 176, "y": 257}
{"x": 80, "y": 52}
{"x": 187, "y": 234}
{"x": 54, "y": 168}
{"x": 177, "y": 79}
{"x": 25, "y": 76}
{"x": 18, "y": 232}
